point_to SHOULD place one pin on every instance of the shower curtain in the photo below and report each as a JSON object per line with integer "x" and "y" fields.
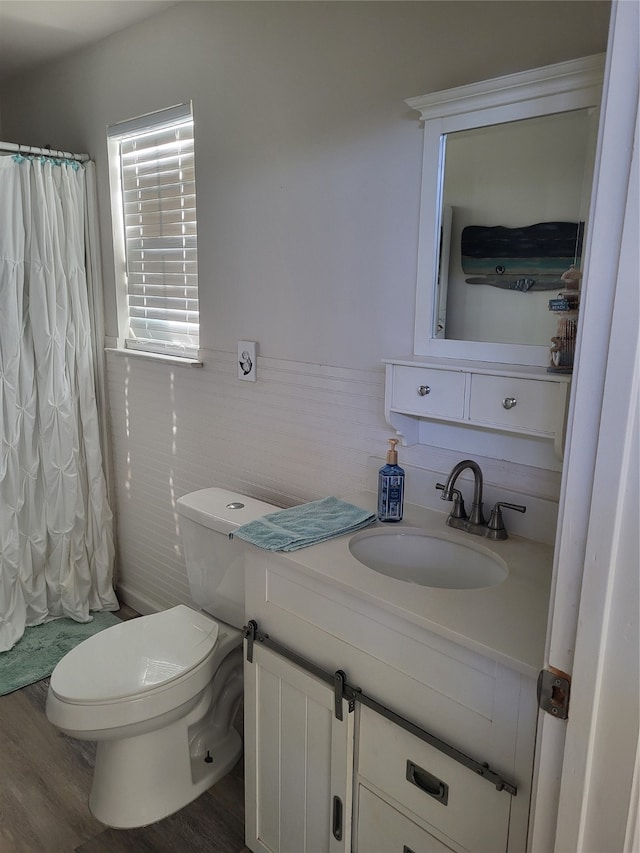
{"x": 56, "y": 543}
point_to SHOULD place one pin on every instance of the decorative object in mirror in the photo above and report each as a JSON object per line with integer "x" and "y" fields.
{"x": 532, "y": 257}
{"x": 507, "y": 171}
{"x": 565, "y": 308}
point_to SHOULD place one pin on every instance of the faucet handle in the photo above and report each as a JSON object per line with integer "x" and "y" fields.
{"x": 496, "y": 522}
{"x": 458, "y": 510}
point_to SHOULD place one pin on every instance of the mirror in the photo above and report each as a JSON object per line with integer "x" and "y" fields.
{"x": 516, "y": 197}
{"x": 507, "y": 172}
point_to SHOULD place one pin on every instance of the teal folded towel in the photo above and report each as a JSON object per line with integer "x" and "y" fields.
{"x": 304, "y": 525}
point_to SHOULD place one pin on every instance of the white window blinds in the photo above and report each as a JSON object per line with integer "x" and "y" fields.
{"x": 157, "y": 183}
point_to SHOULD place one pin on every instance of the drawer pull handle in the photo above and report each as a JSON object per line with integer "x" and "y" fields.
{"x": 336, "y": 820}
{"x": 406, "y": 849}
{"x": 428, "y": 783}
{"x": 509, "y": 402}
{"x": 423, "y": 390}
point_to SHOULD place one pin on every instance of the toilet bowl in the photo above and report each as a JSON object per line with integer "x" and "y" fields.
{"x": 159, "y": 693}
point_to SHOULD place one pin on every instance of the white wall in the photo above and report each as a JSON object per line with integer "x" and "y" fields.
{"x": 308, "y": 165}
{"x": 307, "y": 157}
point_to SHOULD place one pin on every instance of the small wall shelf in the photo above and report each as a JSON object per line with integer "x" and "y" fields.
{"x": 485, "y": 395}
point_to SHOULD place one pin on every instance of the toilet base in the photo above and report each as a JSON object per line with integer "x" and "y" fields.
{"x": 142, "y": 779}
{"x": 132, "y": 787}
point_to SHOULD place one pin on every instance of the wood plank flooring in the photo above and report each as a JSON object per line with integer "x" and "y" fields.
{"x": 45, "y": 778}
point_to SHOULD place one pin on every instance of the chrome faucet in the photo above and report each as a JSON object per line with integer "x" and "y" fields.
{"x": 458, "y": 517}
{"x": 474, "y": 523}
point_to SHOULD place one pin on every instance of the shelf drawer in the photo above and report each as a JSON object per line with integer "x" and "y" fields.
{"x": 445, "y": 398}
{"x": 383, "y": 829}
{"x": 524, "y": 405}
{"x": 440, "y": 792}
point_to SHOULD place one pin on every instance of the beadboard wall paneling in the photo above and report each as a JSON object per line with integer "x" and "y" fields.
{"x": 525, "y": 479}
{"x": 301, "y": 432}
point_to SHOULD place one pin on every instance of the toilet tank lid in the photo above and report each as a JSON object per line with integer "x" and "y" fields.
{"x": 220, "y": 509}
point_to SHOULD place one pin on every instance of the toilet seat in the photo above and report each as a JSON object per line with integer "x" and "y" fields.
{"x": 101, "y": 686}
{"x": 135, "y": 657}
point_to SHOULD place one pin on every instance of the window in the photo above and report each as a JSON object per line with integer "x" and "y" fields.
{"x": 153, "y": 192}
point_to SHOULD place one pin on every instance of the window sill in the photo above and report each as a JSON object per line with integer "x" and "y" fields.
{"x": 155, "y": 356}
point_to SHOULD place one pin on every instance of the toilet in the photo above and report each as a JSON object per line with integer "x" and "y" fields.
{"x": 159, "y": 693}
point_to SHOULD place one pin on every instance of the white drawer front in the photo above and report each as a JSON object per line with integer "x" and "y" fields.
{"x": 444, "y": 399}
{"x": 382, "y": 829}
{"x": 528, "y": 405}
{"x": 475, "y": 815}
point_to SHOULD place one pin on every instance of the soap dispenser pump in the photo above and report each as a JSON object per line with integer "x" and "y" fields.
{"x": 391, "y": 486}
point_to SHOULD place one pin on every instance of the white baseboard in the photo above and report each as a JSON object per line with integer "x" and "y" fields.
{"x": 141, "y": 603}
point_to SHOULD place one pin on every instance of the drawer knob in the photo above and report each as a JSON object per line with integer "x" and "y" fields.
{"x": 509, "y": 402}
{"x": 423, "y": 390}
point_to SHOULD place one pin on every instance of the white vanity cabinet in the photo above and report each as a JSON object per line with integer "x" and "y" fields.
{"x": 299, "y": 756}
{"x": 514, "y": 399}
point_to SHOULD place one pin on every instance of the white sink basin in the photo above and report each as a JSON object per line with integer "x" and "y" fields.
{"x": 412, "y": 555}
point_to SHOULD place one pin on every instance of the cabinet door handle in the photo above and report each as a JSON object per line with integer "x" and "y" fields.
{"x": 336, "y": 819}
{"x": 428, "y": 783}
{"x": 509, "y": 402}
{"x": 423, "y": 390}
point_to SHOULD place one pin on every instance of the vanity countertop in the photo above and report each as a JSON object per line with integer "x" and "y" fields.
{"x": 506, "y": 622}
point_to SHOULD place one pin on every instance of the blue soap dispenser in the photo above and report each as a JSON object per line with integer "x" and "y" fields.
{"x": 391, "y": 487}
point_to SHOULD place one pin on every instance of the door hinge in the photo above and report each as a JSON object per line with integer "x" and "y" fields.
{"x": 554, "y": 689}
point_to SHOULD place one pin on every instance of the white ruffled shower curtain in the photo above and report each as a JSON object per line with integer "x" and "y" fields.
{"x": 56, "y": 542}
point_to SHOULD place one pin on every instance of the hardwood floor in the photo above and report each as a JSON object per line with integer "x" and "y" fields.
{"x": 45, "y": 778}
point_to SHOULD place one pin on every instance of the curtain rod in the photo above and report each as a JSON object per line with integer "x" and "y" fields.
{"x": 46, "y": 152}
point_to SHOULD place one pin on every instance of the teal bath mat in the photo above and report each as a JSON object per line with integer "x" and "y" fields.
{"x": 35, "y": 655}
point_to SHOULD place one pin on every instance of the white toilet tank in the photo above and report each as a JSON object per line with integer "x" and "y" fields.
{"x": 215, "y": 564}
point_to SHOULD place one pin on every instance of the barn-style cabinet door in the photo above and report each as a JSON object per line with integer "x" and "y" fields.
{"x": 298, "y": 760}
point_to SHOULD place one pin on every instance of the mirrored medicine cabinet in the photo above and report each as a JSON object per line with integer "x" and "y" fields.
{"x": 506, "y": 185}
{"x": 506, "y": 181}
